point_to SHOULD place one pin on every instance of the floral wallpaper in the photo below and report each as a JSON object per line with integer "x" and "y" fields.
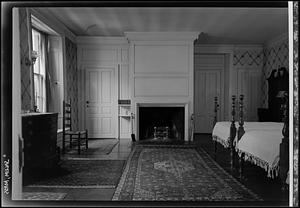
{"x": 295, "y": 104}
{"x": 71, "y": 77}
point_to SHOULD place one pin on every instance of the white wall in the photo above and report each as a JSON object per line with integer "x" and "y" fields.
{"x": 162, "y": 71}
{"x": 109, "y": 52}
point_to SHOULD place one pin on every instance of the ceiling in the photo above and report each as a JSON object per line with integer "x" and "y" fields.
{"x": 216, "y": 25}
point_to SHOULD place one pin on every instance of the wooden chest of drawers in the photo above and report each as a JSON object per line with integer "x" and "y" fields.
{"x": 41, "y": 154}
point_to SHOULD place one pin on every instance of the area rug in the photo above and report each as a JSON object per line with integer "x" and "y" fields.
{"x": 95, "y": 147}
{"x": 43, "y": 196}
{"x": 177, "y": 173}
{"x": 84, "y": 173}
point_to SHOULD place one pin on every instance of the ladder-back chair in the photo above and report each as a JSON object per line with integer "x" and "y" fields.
{"x": 80, "y": 136}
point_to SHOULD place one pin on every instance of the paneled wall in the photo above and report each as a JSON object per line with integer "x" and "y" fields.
{"x": 105, "y": 52}
{"x": 162, "y": 72}
{"x": 276, "y": 54}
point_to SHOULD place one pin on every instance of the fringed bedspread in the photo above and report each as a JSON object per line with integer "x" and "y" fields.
{"x": 261, "y": 147}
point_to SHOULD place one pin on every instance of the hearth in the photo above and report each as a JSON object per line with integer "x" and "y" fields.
{"x": 161, "y": 123}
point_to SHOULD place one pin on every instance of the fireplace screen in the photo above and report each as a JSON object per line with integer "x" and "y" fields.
{"x": 161, "y": 123}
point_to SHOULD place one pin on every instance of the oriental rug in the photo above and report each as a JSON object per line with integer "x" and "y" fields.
{"x": 177, "y": 173}
{"x": 83, "y": 173}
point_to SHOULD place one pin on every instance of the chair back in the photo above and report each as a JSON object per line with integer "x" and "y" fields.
{"x": 67, "y": 121}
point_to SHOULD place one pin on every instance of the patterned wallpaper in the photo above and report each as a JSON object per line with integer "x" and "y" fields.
{"x": 71, "y": 77}
{"x": 26, "y": 79}
{"x": 296, "y": 105}
{"x": 247, "y": 58}
{"x": 275, "y": 56}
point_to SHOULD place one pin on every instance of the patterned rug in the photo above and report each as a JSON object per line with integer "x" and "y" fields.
{"x": 96, "y": 147}
{"x": 177, "y": 173}
{"x": 43, "y": 196}
{"x": 84, "y": 173}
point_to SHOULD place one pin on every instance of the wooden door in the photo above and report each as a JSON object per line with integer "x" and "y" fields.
{"x": 101, "y": 102}
{"x": 209, "y": 70}
{"x": 249, "y": 85}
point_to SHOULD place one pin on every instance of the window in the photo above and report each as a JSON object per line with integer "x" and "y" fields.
{"x": 39, "y": 70}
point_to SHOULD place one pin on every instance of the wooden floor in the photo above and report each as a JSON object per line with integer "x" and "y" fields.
{"x": 256, "y": 180}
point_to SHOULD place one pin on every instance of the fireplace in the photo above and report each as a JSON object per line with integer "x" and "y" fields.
{"x": 165, "y": 123}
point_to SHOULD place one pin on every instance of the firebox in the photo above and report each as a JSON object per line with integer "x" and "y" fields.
{"x": 161, "y": 123}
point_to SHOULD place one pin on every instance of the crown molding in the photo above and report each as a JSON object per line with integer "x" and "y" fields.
{"x": 161, "y": 36}
{"x": 101, "y": 40}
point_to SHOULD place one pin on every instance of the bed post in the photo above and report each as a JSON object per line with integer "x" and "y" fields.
{"x": 241, "y": 132}
{"x": 232, "y": 133}
{"x": 215, "y": 121}
{"x": 284, "y": 146}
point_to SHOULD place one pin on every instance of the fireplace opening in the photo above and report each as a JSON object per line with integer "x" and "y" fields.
{"x": 161, "y": 123}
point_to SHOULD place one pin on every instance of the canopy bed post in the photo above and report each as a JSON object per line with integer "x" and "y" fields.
{"x": 215, "y": 121}
{"x": 241, "y": 132}
{"x": 284, "y": 146}
{"x": 232, "y": 133}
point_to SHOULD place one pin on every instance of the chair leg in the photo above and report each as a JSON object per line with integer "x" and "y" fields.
{"x": 78, "y": 143}
{"x": 63, "y": 143}
{"x": 86, "y": 139}
{"x": 70, "y": 141}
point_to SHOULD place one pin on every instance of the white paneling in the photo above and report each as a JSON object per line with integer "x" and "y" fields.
{"x": 106, "y": 110}
{"x": 161, "y": 86}
{"x": 93, "y": 87}
{"x": 124, "y": 81}
{"x": 106, "y": 87}
{"x": 124, "y": 55}
{"x": 93, "y": 110}
{"x": 106, "y": 125}
{"x": 124, "y": 128}
{"x": 100, "y": 93}
{"x": 161, "y": 59}
{"x": 209, "y": 60}
{"x": 98, "y": 55}
{"x": 208, "y": 84}
{"x": 249, "y": 85}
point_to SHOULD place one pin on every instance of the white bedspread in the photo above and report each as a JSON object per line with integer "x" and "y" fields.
{"x": 261, "y": 147}
{"x": 221, "y": 131}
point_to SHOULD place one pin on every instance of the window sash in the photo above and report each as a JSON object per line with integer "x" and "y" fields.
{"x": 38, "y": 42}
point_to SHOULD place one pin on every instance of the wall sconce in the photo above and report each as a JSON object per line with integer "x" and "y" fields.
{"x": 34, "y": 56}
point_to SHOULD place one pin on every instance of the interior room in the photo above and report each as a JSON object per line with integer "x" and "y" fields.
{"x": 141, "y": 104}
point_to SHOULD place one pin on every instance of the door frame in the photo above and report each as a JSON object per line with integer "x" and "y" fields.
{"x": 223, "y": 113}
{"x": 82, "y": 82}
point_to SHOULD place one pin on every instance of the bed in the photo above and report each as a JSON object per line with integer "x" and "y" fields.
{"x": 265, "y": 144}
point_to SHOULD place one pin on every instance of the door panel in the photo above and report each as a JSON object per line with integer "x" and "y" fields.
{"x": 249, "y": 84}
{"x": 100, "y": 107}
{"x": 208, "y": 87}
{"x": 208, "y": 84}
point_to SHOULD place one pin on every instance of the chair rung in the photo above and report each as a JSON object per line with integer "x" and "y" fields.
{"x": 68, "y": 111}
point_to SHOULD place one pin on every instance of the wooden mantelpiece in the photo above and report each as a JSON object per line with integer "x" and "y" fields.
{"x": 41, "y": 154}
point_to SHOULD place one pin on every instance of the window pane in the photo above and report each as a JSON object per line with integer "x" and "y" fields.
{"x": 38, "y": 44}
